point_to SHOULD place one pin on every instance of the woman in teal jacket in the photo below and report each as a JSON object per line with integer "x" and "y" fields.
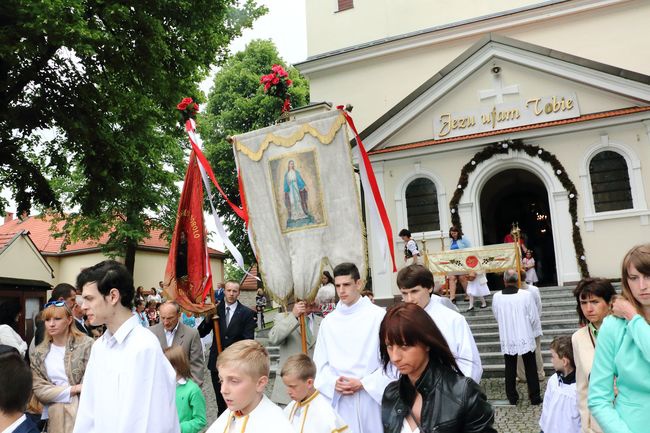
{"x": 623, "y": 353}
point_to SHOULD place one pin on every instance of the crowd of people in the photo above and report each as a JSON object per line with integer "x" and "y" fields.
{"x": 412, "y": 368}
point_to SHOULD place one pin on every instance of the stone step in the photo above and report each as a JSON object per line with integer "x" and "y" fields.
{"x": 473, "y": 318}
{"x": 498, "y": 370}
{"x": 564, "y": 323}
{"x": 487, "y": 336}
{"x": 495, "y": 345}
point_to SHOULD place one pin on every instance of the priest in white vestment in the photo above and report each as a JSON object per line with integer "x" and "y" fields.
{"x": 518, "y": 320}
{"x": 349, "y": 370}
{"x": 415, "y": 283}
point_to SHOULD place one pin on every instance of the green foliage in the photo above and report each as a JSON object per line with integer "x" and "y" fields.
{"x": 103, "y": 77}
{"x": 237, "y": 104}
{"x": 232, "y": 271}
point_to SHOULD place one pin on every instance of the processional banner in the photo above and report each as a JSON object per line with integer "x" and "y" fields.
{"x": 188, "y": 277}
{"x": 303, "y": 202}
{"x": 490, "y": 258}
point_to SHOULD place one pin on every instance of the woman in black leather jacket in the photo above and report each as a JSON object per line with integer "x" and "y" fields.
{"x": 431, "y": 395}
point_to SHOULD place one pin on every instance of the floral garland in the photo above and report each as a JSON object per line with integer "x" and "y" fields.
{"x": 503, "y": 147}
{"x": 277, "y": 84}
{"x": 187, "y": 109}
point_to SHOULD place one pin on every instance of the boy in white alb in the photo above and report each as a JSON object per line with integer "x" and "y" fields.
{"x": 349, "y": 372}
{"x": 309, "y": 412}
{"x": 415, "y": 283}
{"x": 560, "y": 411}
{"x": 244, "y": 372}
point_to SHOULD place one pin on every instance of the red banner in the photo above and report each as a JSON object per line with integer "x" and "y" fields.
{"x": 188, "y": 278}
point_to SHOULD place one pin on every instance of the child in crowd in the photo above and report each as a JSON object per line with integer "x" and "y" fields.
{"x": 190, "y": 402}
{"x": 477, "y": 288}
{"x": 560, "y": 411}
{"x": 298, "y": 376}
{"x": 368, "y": 294}
{"x": 528, "y": 263}
{"x": 411, "y": 252}
{"x": 152, "y": 313}
{"x": 244, "y": 372}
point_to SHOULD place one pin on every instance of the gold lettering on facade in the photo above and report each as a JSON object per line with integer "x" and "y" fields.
{"x": 449, "y": 123}
{"x": 495, "y": 116}
{"x": 554, "y": 106}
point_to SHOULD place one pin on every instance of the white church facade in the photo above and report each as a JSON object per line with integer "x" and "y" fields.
{"x": 530, "y": 112}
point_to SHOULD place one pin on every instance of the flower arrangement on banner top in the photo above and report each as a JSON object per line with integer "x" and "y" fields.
{"x": 277, "y": 84}
{"x": 187, "y": 109}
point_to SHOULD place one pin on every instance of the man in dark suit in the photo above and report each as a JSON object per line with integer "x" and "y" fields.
{"x": 16, "y": 386}
{"x": 236, "y": 322}
{"x": 172, "y": 332}
{"x": 79, "y": 321}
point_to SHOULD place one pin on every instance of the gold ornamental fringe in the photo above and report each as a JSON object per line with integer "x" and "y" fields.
{"x": 292, "y": 139}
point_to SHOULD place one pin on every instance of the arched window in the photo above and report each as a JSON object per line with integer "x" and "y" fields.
{"x": 610, "y": 182}
{"x": 422, "y": 206}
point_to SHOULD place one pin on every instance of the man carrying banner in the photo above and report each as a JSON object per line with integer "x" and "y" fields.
{"x": 236, "y": 322}
{"x": 349, "y": 370}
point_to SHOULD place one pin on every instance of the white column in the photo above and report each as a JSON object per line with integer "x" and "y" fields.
{"x": 565, "y": 253}
{"x": 382, "y": 271}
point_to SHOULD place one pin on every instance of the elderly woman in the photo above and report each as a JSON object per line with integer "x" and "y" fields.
{"x": 431, "y": 394}
{"x": 58, "y": 367}
{"x": 593, "y": 296}
{"x": 623, "y": 353}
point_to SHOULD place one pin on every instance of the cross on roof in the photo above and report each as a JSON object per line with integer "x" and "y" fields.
{"x": 498, "y": 91}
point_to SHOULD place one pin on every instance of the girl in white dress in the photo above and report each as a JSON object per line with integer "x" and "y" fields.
{"x": 477, "y": 288}
{"x": 528, "y": 263}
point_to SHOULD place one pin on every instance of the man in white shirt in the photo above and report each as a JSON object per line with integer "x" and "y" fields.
{"x": 349, "y": 372}
{"x": 172, "y": 332}
{"x": 539, "y": 361}
{"x": 517, "y": 317}
{"x": 129, "y": 386}
{"x": 415, "y": 283}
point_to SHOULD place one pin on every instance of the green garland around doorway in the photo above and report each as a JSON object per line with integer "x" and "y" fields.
{"x": 503, "y": 147}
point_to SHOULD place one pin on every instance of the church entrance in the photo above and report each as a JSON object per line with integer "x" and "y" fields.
{"x": 519, "y": 196}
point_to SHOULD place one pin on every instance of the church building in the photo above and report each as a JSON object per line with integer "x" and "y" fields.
{"x": 485, "y": 114}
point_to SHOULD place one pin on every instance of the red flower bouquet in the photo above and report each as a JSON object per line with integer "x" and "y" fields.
{"x": 188, "y": 109}
{"x": 277, "y": 84}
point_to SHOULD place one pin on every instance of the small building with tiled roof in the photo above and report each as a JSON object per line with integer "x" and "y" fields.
{"x": 30, "y": 253}
{"x": 536, "y": 113}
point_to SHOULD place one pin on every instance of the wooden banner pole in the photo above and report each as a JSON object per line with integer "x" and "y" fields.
{"x": 515, "y": 235}
{"x": 215, "y": 322}
{"x": 303, "y": 334}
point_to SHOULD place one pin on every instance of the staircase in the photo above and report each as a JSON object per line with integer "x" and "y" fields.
{"x": 559, "y": 317}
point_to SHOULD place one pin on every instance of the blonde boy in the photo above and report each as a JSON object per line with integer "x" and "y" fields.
{"x": 309, "y": 412}
{"x": 244, "y": 372}
{"x": 560, "y": 411}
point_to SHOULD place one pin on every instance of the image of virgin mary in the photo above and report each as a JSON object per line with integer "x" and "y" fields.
{"x": 296, "y": 198}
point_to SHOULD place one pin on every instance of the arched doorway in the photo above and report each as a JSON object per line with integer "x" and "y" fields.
{"x": 517, "y": 195}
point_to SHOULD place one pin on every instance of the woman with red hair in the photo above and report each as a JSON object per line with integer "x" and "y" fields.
{"x": 431, "y": 391}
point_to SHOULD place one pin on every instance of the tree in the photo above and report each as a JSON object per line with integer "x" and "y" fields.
{"x": 89, "y": 89}
{"x": 237, "y": 104}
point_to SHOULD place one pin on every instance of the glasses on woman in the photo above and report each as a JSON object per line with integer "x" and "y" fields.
{"x": 54, "y": 304}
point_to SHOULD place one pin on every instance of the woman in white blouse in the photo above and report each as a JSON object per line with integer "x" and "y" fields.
{"x": 58, "y": 367}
